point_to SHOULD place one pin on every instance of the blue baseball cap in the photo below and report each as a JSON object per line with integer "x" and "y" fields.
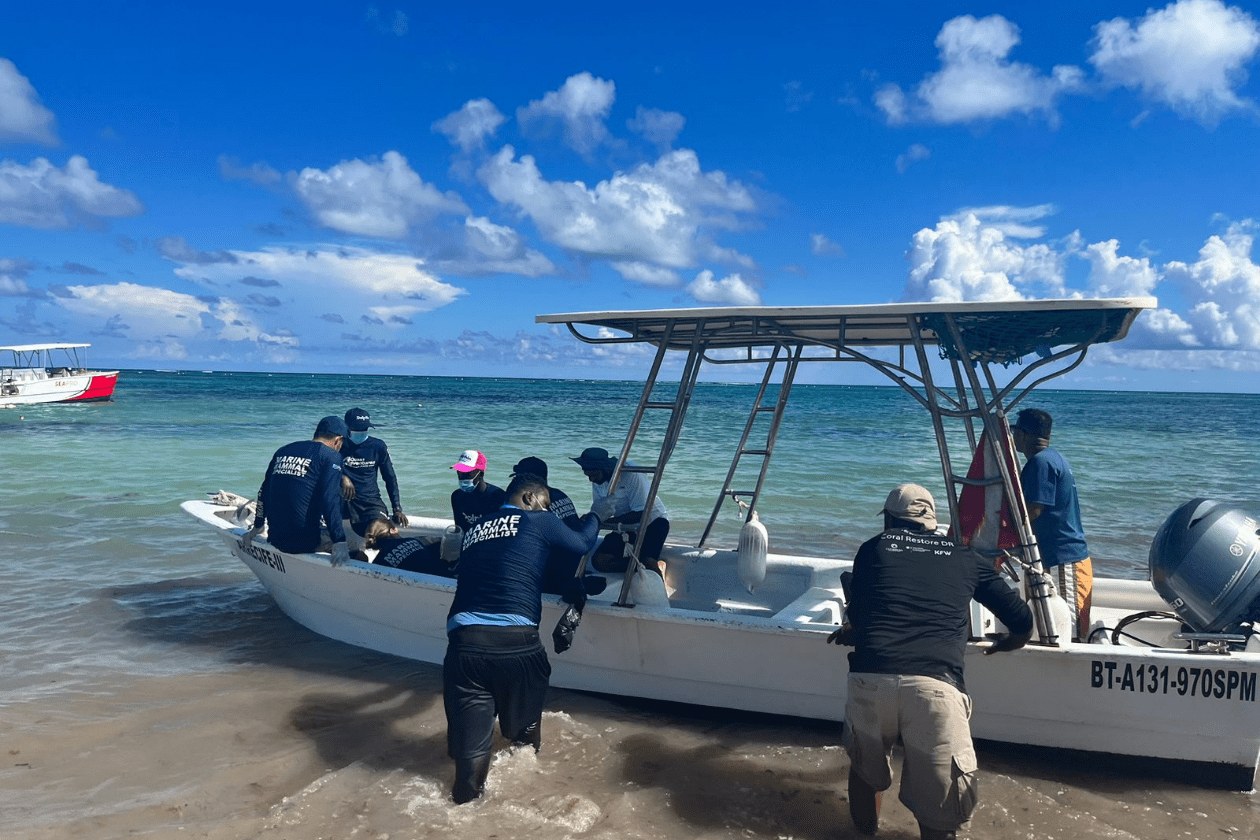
{"x": 332, "y": 426}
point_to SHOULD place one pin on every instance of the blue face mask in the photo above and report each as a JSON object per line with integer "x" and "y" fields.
{"x": 358, "y": 437}
{"x": 467, "y": 485}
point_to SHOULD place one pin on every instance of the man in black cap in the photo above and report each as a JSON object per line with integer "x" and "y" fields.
{"x": 623, "y": 504}
{"x": 362, "y": 457}
{"x": 562, "y": 565}
{"x": 303, "y": 484}
{"x": 908, "y": 618}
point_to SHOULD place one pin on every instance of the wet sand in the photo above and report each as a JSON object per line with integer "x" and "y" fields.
{"x": 315, "y": 739}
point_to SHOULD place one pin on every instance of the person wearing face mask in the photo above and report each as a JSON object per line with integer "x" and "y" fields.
{"x": 495, "y": 664}
{"x": 362, "y": 458}
{"x": 301, "y": 487}
{"x": 475, "y": 499}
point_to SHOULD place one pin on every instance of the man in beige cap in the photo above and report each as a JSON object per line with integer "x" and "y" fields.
{"x": 908, "y": 620}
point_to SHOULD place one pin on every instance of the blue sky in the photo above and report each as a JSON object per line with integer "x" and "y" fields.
{"x": 399, "y": 188}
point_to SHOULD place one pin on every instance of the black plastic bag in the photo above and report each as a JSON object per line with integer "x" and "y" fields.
{"x": 562, "y": 636}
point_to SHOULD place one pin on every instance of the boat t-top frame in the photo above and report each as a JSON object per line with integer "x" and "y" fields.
{"x": 969, "y": 337}
{"x": 40, "y": 356}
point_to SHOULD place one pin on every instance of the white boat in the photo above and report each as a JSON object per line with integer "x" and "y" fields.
{"x": 44, "y": 373}
{"x": 1141, "y": 689}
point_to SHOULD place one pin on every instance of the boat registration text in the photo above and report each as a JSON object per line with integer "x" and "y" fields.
{"x": 1220, "y": 683}
{"x": 262, "y": 555}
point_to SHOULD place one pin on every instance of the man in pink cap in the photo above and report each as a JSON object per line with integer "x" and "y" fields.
{"x": 475, "y": 499}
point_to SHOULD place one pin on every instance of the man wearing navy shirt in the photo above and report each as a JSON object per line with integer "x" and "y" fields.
{"x": 563, "y": 564}
{"x": 362, "y": 458}
{"x": 495, "y": 663}
{"x": 303, "y": 484}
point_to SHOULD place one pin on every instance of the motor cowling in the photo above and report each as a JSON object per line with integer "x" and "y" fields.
{"x": 1205, "y": 562}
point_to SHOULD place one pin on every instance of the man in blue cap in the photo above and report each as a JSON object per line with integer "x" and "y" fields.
{"x": 362, "y": 458}
{"x": 303, "y": 485}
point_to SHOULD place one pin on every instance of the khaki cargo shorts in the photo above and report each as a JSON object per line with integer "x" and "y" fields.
{"x": 938, "y": 775}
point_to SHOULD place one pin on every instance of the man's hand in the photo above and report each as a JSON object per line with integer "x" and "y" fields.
{"x": 347, "y": 488}
{"x": 248, "y": 538}
{"x": 340, "y": 553}
{"x": 400, "y": 519}
{"x": 843, "y": 636}
{"x": 1011, "y": 641}
{"x": 603, "y": 509}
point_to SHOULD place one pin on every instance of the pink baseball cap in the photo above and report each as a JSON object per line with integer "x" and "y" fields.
{"x": 469, "y": 460}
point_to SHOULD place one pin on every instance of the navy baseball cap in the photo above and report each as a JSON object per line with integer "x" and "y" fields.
{"x": 332, "y": 426}
{"x": 357, "y": 420}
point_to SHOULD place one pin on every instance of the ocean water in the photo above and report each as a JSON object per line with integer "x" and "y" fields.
{"x": 149, "y": 687}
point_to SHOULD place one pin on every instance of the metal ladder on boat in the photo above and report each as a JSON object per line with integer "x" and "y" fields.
{"x": 790, "y": 360}
{"x": 677, "y": 409}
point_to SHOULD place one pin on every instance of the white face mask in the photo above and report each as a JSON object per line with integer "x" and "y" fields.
{"x": 358, "y": 437}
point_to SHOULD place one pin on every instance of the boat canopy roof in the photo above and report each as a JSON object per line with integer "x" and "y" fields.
{"x": 39, "y": 348}
{"x": 992, "y": 331}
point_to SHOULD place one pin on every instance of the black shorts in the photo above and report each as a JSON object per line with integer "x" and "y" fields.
{"x": 488, "y": 671}
{"x": 610, "y": 553}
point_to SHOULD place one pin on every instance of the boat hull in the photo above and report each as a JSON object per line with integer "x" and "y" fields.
{"x": 93, "y": 386}
{"x": 1148, "y": 703}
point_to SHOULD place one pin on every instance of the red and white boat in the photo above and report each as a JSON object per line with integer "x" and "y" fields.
{"x": 43, "y": 373}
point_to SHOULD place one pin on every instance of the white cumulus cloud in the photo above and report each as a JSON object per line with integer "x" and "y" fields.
{"x": 977, "y": 80}
{"x": 331, "y": 279}
{"x": 655, "y": 213}
{"x": 658, "y": 127}
{"x": 1211, "y": 305}
{"x": 490, "y": 248}
{"x": 822, "y": 246}
{"x": 1190, "y": 56}
{"x": 469, "y": 127}
{"x": 731, "y": 290}
{"x": 1222, "y": 289}
{"x": 379, "y": 198}
{"x": 977, "y": 255}
{"x": 23, "y": 118}
{"x": 41, "y": 195}
{"x": 579, "y": 108}
{"x": 648, "y": 275}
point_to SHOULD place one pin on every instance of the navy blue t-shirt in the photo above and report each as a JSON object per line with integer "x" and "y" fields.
{"x": 469, "y": 507}
{"x": 361, "y": 462}
{"x": 504, "y": 557}
{"x": 303, "y": 483}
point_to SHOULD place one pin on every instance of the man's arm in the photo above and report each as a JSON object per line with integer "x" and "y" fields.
{"x": 994, "y": 593}
{"x": 577, "y": 540}
{"x": 386, "y": 466}
{"x": 330, "y": 497}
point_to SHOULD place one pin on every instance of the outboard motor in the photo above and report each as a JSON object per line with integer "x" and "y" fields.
{"x": 1205, "y": 562}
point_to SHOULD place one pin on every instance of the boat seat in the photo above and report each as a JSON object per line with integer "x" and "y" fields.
{"x": 816, "y": 605}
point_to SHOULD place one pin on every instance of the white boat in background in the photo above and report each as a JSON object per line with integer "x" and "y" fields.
{"x": 44, "y": 373}
{"x": 723, "y": 635}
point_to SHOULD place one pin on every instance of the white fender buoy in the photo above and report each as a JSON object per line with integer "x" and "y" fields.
{"x": 754, "y": 544}
{"x": 648, "y": 590}
{"x": 452, "y": 541}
